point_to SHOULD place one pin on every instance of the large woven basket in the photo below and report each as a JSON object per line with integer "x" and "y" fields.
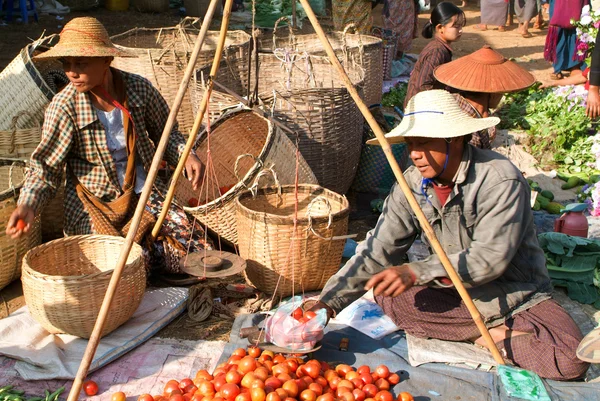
{"x": 23, "y": 86}
{"x": 389, "y": 49}
{"x": 12, "y": 174}
{"x": 17, "y": 142}
{"x": 235, "y": 134}
{"x": 362, "y": 49}
{"x": 309, "y": 97}
{"x": 280, "y": 259}
{"x": 65, "y": 280}
{"x": 163, "y": 54}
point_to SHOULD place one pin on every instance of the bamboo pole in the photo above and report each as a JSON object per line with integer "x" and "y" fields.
{"x": 197, "y": 122}
{"x": 135, "y": 222}
{"x": 437, "y": 247}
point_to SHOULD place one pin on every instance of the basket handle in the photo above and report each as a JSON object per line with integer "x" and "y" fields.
{"x": 237, "y": 162}
{"x": 361, "y": 47}
{"x": 13, "y": 127}
{"x": 310, "y": 228}
{"x": 292, "y": 37}
{"x": 10, "y": 177}
{"x": 265, "y": 172}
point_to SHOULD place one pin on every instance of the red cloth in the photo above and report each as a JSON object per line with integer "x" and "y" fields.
{"x": 443, "y": 192}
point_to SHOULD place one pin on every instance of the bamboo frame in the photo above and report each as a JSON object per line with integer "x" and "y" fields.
{"x": 437, "y": 247}
{"x": 135, "y": 222}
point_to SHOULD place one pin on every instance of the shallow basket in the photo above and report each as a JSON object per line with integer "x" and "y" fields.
{"x": 65, "y": 280}
{"x": 163, "y": 54}
{"x": 235, "y": 134}
{"x": 365, "y": 50}
{"x": 280, "y": 259}
{"x": 309, "y": 98}
{"x": 12, "y": 175}
{"x": 23, "y": 86}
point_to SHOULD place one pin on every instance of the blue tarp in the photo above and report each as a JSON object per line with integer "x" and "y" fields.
{"x": 428, "y": 382}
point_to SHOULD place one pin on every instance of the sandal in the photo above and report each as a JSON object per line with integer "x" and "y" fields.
{"x": 501, "y": 28}
{"x": 480, "y": 27}
{"x": 555, "y": 76}
{"x": 527, "y": 35}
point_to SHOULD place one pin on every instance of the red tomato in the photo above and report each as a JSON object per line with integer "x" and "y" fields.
{"x": 382, "y": 384}
{"x": 382, "y": 371}
{"x": 254, "y": 351}
{"x": 384, "y": 395}
{"x": 177, "y": 397}
{"x": 258, "y": 394}
{"x": 229, "y": 391}
{"x": 239, "y": 352}
{"x": 297, "y": 313}
{"x": 394, "y": 379}
{"x": 308, "y": 395}
{"x": 364, "y": 370}
{"x": 184, "y": 383}
{"x": 370, "y": 390}
{"x": 89, "y": 387}
{"x": 145, "y": 397}
{"x": 273, "y": 396}
{"x": 247, "y": 364}
{"x": 118, "y": 396}
{"x": 404, "y": 396}
{"x": 193, "y": 202}
{"x": 313, "y": 370}
{"x": 359, "y": 395}
{"x": 20, "y": 224}
{"x": 309, "y": 314}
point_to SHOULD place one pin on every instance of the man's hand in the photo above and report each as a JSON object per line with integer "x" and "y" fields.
{"x": 392, "y": 282}
{"x": 592, "y": 109}
{"x": 194, "y": 170}
{"x": 22, "y": 214}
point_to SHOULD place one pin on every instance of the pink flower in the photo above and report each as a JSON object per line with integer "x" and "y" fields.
{"x": 597, "y": 24}
{"x": 582, "y": 46}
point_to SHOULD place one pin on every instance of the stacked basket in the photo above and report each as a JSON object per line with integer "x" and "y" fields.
{"x": 163, "y": 55}
{"x": 12, "y": 174}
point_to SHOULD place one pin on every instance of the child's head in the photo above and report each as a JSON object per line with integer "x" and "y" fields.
{"x": 447, "y": 21}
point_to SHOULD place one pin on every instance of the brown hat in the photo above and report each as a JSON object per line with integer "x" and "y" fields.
{"x": 84, "y": 37}
{"x": 486, "y": 71}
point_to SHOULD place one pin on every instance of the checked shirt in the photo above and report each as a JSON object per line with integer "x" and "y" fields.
{"x": 73, "y": 136}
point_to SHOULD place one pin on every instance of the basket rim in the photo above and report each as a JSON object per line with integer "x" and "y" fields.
{"x": 247, "y": 212}
{"x": 34, "y": 274}
{"x": 247, "y": 180}
{"x": 371, "y": 40}
{"x": 35, "y": 75}
{"x": 122, "y": 35}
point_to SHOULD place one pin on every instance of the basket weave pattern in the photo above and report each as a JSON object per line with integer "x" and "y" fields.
{"x": 321, "y": 110}
{"x": 65, "y": 280}
{"x": 12, "y": 251}
{"x": 276, "y": 264}
{"x": 235, "y": 134}
{"x": 163, "y": 54}
{"x": 389, "y": 49}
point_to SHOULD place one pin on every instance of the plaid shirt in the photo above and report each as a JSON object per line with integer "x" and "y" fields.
{"x": 481, "y": 139}
{"x": 73, "y": 136}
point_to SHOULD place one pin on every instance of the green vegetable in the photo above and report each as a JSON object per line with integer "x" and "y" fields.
{"x": 572, "y": 182}
{"x": 554, "y": 208}
{"x": 542, "y": 200}
{"x": 536, "y": 205}
{"x": 547, "y": 194}
{"x": 395, "y": 97}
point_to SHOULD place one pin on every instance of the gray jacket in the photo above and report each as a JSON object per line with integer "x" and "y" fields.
{"x": 486, "y": 228}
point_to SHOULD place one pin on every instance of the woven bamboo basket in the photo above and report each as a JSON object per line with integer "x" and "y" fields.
{"x": 151, "y": 6}
{"x": 12, "y": 175}
{"x": 308, "y": 96}
{"x": 365, "y": 50}
{"x": 53, "y": 216}
{"x": 163, "y": 54}
{"x": 235, "y": 134}
{"x": 80, "y": 5}
{"x": 65, "y": 280}
{"x": 390, "y": 47}
{"x": 17, "y": 142}
{"x": 23, "y": 86}
{"x": 281, "y": 260}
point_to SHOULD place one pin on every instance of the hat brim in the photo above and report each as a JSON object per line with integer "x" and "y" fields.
{"x": 59, "y": 51}
{"x": 450, "y": 129}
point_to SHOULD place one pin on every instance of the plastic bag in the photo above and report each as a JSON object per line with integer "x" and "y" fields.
{"x": 283, "y": 330}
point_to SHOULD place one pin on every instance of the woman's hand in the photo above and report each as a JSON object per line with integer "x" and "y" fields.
{"x": 392, "y": 282}
{"x": 194, "y": 170}
{"x": 20, "y": 221}
{"x": 592, "y": 109}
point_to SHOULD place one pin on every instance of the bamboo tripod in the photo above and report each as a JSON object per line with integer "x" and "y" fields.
{"x": 95, "y": 337}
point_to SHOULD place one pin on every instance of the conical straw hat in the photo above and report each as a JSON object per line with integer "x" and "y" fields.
{"x": 435, "y": 114}
{"x": 84, "y": 37}
{"x": 486, "y": 71}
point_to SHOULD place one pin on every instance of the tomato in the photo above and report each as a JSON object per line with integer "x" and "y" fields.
{"x": 229, "y": 391}
{"x": 343, "y": 369}
{"x": 247, "y": 364}
{"x": 118, "y": 396}
{"x": 20, "y": 224}
{"x": 193, "y": 202}
{"x": 239, "y": 352}
{"x": 205, "y": 387}
{"x": 258, "y": 394}
{"x": 352, "y": 375}
{"x": 309, "y": 314}
{"x": 184, "y": 383}
{"x": 297, "y": 313}
{"x": 346, "y": 383}
{"x": 316, "y": 387}
{"x": 177, "y": 397}
{"x": 273, "y": 382}
{"x": 384, "y": 395}
{"x": 364, "y": 370}
{"x": 359, "y": 395}
{"x": 357, "y": 383}
{"x": 254, "y": 351}
{"x": 233, "y": 376}
{"x": 218, "y": 382}
{"x": 89, "y": 387}
{"x": 404, "y": 396}
{"x": 145, "y": 397}
{"x": 370, "y": 390}
{"x": 273, "y": 396}
{"x": 382, "y": 384}
{"x": 292, "y": 363}
{"x": 172, "y": 387}
{"x": 243, "y": 397}
{"x": 394, "y": 379}
{"x": 308, "y": 395}
{"x": 326, "y": 397}
{"x": 291, "y": 387}
{"x": 382, "y": 371}
{"x": 366, "y": 378}
{"x": 203, "y": 374}
{"x": 312, "y": 370}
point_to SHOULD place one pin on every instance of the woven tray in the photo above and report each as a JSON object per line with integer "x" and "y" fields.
{"x": 163, "y": 54}
{"x": 233, "y": 135}
{"x": 12, "y": 174}
{"x": 65, "y": 280}
{"x": 276, "y": 264}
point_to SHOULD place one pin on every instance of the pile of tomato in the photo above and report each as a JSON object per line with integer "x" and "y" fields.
{"x": 255, "y": 375}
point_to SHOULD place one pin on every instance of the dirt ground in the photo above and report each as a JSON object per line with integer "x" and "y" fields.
{"x": 527, "y": 51}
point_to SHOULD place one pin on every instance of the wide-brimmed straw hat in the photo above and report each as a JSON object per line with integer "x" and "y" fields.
{"x": 486, "y": 71}
{"x": 84, "y": 37}
{"x": 435, "y": 114}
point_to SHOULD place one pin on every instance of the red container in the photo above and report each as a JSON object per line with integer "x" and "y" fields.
{"x": 573, "y": 222}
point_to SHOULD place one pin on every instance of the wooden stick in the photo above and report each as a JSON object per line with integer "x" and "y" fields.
{"x": 135, "y": 222}
{"x": 197, "y": 122}
{"x": 405, "y": 188}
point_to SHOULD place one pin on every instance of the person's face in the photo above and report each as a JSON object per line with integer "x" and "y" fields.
{"x": 427, "y": 154}
{"x": 452, "y": 31}
{"x": 86, "y": 73}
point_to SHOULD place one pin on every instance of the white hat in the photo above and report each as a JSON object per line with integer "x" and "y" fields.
{"x": 435, "y": 114}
